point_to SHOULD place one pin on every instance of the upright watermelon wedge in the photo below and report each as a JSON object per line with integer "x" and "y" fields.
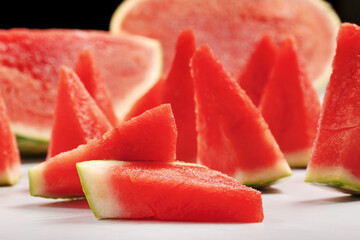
{"x": 291, "y": 106}
{"x": 233, "y": 27}
{"x": 30, "y": 61}
{"x": 148, "y": 137}
{"x": 232, "y": 135}
{"x": 178, "y": 90}
{"x": 258, "y": 68}
{"x": 87, "y": 70}
{"x": 77, "y": 117}
{"x": 167, "y": 191}
{"x": 10, "y": 163}
{"x": 335, "y": 158}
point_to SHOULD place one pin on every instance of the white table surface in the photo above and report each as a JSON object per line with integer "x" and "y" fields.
{"x": 293, "y": 210}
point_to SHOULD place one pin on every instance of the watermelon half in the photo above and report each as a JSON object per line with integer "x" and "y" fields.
{"x": 233, "y": 27}
{"x": 233, "y": 137}
{"x": 335, "y": 159}
{"x": 30, "y": 62}
{"x": 167, "y": 191}
{"x": 150, "y": 136}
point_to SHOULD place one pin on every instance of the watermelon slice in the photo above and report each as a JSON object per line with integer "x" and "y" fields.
{"x": 178, "y": 89}
{"x": 233, "y": 27}
{"x": 10, "y": 163}
{"x": 232, "y": 135}
{"x": 167, "y": 191}
{"x": 88, "y": 72}
{"x": 30, "y": 61}
{"x": 336, "y": 153}
{"x": 258, "y": 68}
{"x": 291, "y": 106}
{"x": 150, "y": 136}
{"x": 77, "y": 118}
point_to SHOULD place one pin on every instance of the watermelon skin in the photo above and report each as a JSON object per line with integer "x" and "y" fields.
{"x": 30, "y": 62}
{"x": 77, "y": 117}
{"x": 87, "y": 70}
{"x": 258, "y": 68}
{"x": 178, "y": 90}
{"x": 232, "y": 135}
{"x": 148, "y": 137}
{"x": 10, "y": 163}
{"x": 232, "y": 28}
{"x": 291, "y": 106}
{"x": 335, "y": 157}
{"x": 167, "y": 191}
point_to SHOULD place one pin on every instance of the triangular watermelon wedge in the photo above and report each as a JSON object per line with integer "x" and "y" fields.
{"x": 258, "y": 68}
{"x": 167, "y": 191}
{"x": 10, "y": 163}
{"x": 232, "y": 135}
{"x": 77, "y": 118}
{"x": 335, "y": 159}
{"x": 87, "y": 70}
{"x": 148, "y": 137}
{"x": 178, "y": 90}
{"x": 291, "y": 106}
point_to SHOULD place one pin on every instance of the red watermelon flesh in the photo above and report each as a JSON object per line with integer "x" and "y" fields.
{"x": 10, "y": 163}
{"x": 178, "y": 90}
{"x": 336, "y": 152}
{"x": 258, "y": 68}
{"x": 77, "y": 117}
{"x": 233, "y": 27}
{"x": 291, "y": 106}
{"x": 167, "y": 191}
{"x": 87, "y": 70}
{"x": 150, "y": 136}
{"x": 232, "y": 135}
{"x": 30, "y": 61}
{"x": 150, "y": 100}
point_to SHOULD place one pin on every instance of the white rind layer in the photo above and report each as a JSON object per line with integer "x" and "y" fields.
{"x": 36, "y": 180}
{"x": 298, "y": 159}
{"x": 337, "y": 177}
{"x": 11, "y": 175}
{"x": 264, "y": 177}
{"x": 95, "y": 182}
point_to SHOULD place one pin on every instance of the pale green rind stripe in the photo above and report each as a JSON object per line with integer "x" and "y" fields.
{"x": 32, "y": 146}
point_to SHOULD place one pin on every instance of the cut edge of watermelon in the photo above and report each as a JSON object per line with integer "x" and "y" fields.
{"x": 10, "y": 176}
{"x": 321, "y": 81}
{"x": 36, "y": 180}
{"x": 255, "y": 178}
{"x": 298, "y": 159}
{"x": 151, "y": 79}
{"x": 336, "y": 177}
{"x": 98, "y": 196}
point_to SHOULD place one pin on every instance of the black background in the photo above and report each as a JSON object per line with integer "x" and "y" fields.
{"x": 97, "y": 14}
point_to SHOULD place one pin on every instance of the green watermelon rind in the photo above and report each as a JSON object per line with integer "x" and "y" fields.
{"x": 32, "y": 146}
{"x": 10, "y": 181}
{"x": 337, "y": 178}
{"x": 267, "y": 183}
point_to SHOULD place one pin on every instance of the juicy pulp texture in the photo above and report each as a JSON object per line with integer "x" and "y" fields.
{"x": 77, "y": 117}
{"x": 30, "y": 61}
{"x": 10, "y": 163}
{"x": 290, "y": 105}
{"x": 336, "y": 152}
{"x": 167, "y": 191}
{"x": 233, "y": 27}
{"x": 257, "y": 70}
{"x": 232, "y": 135}
{"x": 87, "y": 70}
{"x": 151, "y": 136}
